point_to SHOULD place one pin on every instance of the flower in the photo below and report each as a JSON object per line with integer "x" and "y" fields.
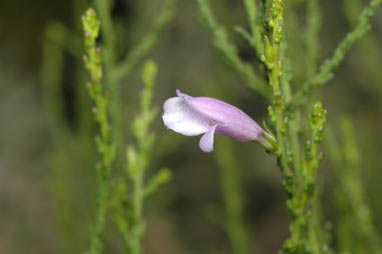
{"x": 192, "y": 116}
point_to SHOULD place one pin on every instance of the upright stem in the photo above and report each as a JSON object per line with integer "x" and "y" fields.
{"x": 299, "y": 178}
{"x": 105, "y": 145}
{"x": 233, "y": 197}
{"x": 103, "y": 8}
{"x": 275, "y": 68}
{"x": 325, "y": 72}
{"x": 134, "y": 246}
{"x": 138, "y": 160}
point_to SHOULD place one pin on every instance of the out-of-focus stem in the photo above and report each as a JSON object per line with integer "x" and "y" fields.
{"x": 326, "y": 69}
{"x": 137, "y": 53}
{"x": 105, "y": 145}
{"x": 356, "y": 232}
{"x": 107, "y": 31}
{"x": 256, "y": 28}
{"x": 311, "y": 37}
{"x": 137, "y": 206}
{"x": 231, "y": 185}
{"x": 229, "y": 51}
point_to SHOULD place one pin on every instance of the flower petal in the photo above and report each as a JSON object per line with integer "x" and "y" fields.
{"x": 180, "y": 117}
{"x": 206, "y": 143}
{"x": 233, "y": 122}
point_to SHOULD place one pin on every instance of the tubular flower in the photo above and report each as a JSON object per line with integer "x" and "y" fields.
{"x": 192, "y": 116}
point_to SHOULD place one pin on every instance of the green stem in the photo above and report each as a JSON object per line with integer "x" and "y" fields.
{"x": 138, "y": 160}
{"x": 105, "y": 145}
{"x": 356, "y": 231}
{"x": 137, "y": 53}
{"x": 96, "y": 245}
{"x": 326, "y": 70}
{"x": 233, "y": 196}
{"x": 311, "y": 38}
{"x": 299, "y": 178}
{"x": 274, "y": 73}
{"x": 107, "y": 31}
{"x": 230, "y": 53}
{"x": 103, "y": 8}
{"x": 138, "y": 224}
{"x": 256, "y": 29}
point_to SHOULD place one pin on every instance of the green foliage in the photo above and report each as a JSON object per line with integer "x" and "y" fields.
{"x": 229, "y": 51}
{"x": 326, "y": 69}
{"x": 106, "y": 148}
{"x": 299, "y": 168}
{"x": 356, "y": 231}
{"x": 119, "y": 66}
{"x": 231, "y": 183}
{"x": 128, "y": 201}
{"x": 127, "y": 205}
{"x": 311, "y": 37}
{"x": 255, "y": 19}
{"x": 138, "y": 52}
{"x": 297, "y": 136}
{"x": 317, "y": 120}
{"x": 163, "y": 176}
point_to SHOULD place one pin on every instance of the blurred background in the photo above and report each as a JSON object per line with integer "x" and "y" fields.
{"x": 47, "y": 151}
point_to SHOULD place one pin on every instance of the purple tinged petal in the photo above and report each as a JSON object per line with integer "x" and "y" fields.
{"x": 234, "y": 123}
{"x": 192, "y": 116}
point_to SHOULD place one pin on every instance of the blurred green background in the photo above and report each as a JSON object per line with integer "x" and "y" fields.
{"x": 47, "y": 153}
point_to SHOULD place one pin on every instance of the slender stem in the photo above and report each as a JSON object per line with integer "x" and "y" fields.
{"x": 256, "y": 28}
{"x": 137, "y": 53}
{"x": 326, "y": 70}
{"x": 299, "y": 178}
{"x": 103, "y": 8}
{"x": 275, "y": 66}
{"x": 233, "y": 196}
{"x": 96, "y": 245}
{"x": 137, "y": 203}
{"x": 138, "y": 160}
{"x": 106, "y": 147}
{"x": 230, "y": 53}
{"x": 359, "y": 235}
{"x": 311, "y": 38}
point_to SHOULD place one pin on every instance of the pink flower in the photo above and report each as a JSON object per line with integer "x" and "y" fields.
{"x": 192, "y": 116}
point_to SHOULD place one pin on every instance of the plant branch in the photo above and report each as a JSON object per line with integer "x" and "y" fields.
{"x": 231, "y": 182}
{"x": 326, "y": 69}
{"x": 229, "y": 51}
{"x": 124, "y": 68}
{"x": 106, "y": 148}
{"x": 311, "y": 38}
{"x": 256, "y": 28}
